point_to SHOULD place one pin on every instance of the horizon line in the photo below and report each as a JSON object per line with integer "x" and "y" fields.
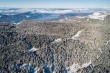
{"x": 58, "y": 7}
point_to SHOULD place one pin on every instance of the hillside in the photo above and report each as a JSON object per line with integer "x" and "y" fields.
{"x": 73, "y": 46}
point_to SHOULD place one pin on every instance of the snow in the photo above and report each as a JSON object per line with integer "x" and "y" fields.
{"x": 10, "y": 14}
{"x": 98, "y": 15}
{"x": 86, "y": 64}
{"x": 100, "y": 50}
{"x": 37, "y": 10}
{"x": 57, "y": 40}
{"x": 50, "y": 10}
{"x": 33, "y": 49}
{"x": 76, "y": 35}
{"x": 73, "y": 68}
{"x": 56, "y": 11}
{"x": 98, "y": 56}
{"x": 107, "y": 42}
{"x": 19, "y": 22}
{"x": 87, "y": 19}
{"x": 24, "y": 65}
{"x": 81, "y": 17}
{"x": 63, "y": 19}
{"x": 28, "y": 16}
{"x": 53, "y": 72}
{"x": 35, "y": 70}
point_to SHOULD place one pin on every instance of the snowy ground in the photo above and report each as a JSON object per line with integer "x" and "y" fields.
{"x": 98, "y": 15}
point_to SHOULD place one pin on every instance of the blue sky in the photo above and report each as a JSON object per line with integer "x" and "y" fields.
{"x": 56, "y": 3}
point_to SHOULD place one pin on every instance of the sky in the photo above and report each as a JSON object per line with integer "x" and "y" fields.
{"x": 55, "y": 3}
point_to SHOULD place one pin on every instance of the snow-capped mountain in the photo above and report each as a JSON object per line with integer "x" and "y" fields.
{"x": 50, "y": 10}
{"x": 16, "y": 15}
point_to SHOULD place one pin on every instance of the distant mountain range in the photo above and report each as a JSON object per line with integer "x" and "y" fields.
{"x": 16, "y": 15}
